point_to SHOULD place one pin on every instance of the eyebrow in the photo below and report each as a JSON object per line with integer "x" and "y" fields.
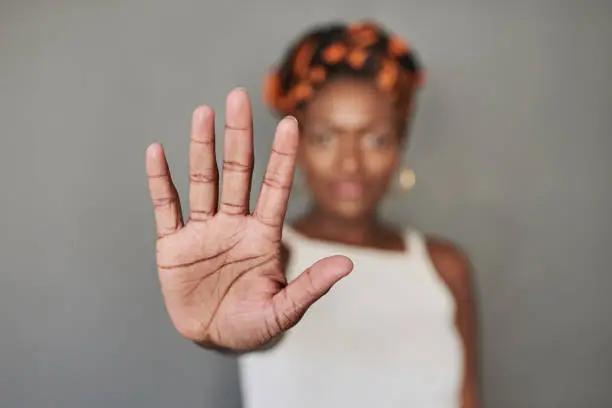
{"x": 336, "y": 129}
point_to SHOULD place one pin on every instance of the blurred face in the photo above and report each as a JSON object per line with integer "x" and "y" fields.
{"x": 349, "y": 147}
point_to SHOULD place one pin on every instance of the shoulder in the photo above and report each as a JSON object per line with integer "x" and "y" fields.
{"x": 451, "y": 263}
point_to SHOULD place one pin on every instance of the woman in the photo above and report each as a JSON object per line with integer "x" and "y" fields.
{"x": 398, "y": 332}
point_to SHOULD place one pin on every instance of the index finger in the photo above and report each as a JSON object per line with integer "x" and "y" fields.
{"x": 272, "y": 203}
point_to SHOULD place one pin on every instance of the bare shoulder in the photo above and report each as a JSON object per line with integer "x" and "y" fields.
{"x": 451, "y": 263}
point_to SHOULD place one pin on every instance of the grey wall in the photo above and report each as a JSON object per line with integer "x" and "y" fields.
{"x": 511, "y": 148}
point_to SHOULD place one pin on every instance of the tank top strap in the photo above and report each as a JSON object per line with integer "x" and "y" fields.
{"x": 416, "y": 242}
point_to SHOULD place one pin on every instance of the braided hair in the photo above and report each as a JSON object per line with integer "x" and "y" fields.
{"x": 361, "y": 50}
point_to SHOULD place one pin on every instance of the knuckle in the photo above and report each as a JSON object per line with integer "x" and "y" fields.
{"x": 200, "y": 215}
{"x": 286, "y": 154}
{"x": 161, "y": 202}
{"x": 206, "y": 176}
{"x": 237, "y": 167}
{"x": 275, "y": 181}
{"x": 268, "y": 221}
{"x": 233, "y": 208}
{"x": 309, "y": 285}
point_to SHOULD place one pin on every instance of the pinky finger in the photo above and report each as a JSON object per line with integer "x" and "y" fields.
{"x": 166, "y": 205}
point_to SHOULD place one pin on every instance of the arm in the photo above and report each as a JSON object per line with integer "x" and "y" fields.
{"x": 454, "y": 268}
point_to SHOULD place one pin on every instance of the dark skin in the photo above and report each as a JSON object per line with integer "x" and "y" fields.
{"x": 349, "y": 150}
{"x": 222, "y": 271}
{"x": 351, "y": 138}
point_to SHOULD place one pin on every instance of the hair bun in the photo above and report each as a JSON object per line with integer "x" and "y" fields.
{"x": 362, "y": 48}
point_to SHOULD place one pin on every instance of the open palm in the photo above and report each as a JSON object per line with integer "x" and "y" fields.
{"x": 221, "y": 273}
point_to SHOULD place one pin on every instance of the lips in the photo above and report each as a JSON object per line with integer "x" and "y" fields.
{"x": 348, "y": 190}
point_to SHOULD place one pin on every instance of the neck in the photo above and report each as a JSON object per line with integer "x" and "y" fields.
{"x": 356, "y": 231}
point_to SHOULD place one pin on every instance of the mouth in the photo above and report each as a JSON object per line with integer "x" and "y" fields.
{"x": 348, "y": 190}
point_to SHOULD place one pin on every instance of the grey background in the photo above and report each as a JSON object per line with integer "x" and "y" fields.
{"x": 511, "y": 147}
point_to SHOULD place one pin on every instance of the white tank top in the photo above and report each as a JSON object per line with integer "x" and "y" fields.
{"x": 383, "y": 337}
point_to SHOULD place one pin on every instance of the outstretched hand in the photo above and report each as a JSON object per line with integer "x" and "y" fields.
{"x": 221, "y": 273}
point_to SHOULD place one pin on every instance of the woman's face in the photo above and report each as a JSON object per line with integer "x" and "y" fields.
{"x": 349, "y": 148}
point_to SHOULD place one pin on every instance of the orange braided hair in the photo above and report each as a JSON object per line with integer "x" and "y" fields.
{"x": 362, "y": 49}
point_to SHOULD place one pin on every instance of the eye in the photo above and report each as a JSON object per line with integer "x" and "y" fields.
{"x": 378, "y": 141}
{"x": 322, "y": 139}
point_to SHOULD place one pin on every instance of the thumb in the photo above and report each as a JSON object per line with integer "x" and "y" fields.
{"x": 290, "y": 304}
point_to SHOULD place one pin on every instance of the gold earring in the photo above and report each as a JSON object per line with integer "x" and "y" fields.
{"x": 407, "y": 179}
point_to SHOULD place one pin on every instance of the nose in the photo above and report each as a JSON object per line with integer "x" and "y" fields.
{"x": 350, "y": 156}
